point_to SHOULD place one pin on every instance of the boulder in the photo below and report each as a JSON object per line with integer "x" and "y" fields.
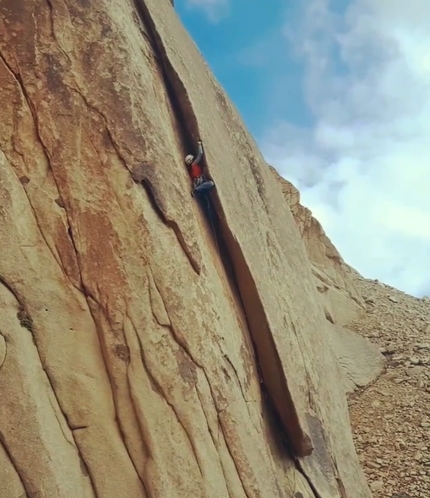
{"x": 360, "y": 361}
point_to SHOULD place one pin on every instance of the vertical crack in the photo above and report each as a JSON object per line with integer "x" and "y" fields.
{"x": 82, "y": 287}
{"x": 31, "y": 107}
{"x": 91, "y": 297}
{"x": 158, "y": 388}
{"x": 13, "y": 463}
{"x": 156, "y": 205}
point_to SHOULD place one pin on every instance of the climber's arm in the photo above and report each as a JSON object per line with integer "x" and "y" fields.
{"x": 199, "y": 152}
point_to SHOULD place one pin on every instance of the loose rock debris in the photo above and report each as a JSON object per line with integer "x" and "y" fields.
{"x": 391, "y": 418}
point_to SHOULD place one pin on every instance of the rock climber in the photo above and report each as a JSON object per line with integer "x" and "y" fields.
{"x": 200, "y": 183}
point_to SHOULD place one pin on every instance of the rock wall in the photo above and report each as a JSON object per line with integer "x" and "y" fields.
{"x": 141, "y": 356}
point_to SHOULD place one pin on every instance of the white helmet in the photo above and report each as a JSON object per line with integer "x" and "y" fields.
{"x": 189, "y": 160}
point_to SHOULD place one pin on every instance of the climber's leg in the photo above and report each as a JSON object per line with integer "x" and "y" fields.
{"x": 201, "y": 185}
{"x": 204, "y": 187}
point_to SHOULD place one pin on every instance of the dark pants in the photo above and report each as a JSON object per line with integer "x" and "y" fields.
{"x": 201, "y": 184}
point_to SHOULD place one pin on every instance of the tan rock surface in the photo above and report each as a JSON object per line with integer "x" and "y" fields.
{"x": 131, "y": 349}
{"x": 361, "y": 361}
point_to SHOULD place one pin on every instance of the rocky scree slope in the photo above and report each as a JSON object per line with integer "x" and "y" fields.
{"x": 137, "y": 358}
{"x": 391, "y": 418}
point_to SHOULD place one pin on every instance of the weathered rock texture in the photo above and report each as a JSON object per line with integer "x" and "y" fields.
{"x": 361, "y": 361}
{"x": 131, "y": 342}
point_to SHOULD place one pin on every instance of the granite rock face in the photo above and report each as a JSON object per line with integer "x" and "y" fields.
{"x": 140, "y": 356}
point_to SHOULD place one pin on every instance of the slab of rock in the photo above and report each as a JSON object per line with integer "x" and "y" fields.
{"x": 376, "y": 485}
{"x": 361, "y": 361}
{"x": 300, "y": 331}
{"x": 132, "y": 342}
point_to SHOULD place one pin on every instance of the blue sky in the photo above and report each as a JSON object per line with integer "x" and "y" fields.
{"x": 245, "y": 47}
{"x": 337, "y": 95}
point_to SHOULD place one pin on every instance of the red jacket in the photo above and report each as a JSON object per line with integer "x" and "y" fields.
{"x": 195, "y": 171}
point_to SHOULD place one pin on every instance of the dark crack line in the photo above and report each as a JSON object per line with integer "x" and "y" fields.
{"x": 306, "y": 477}
{"x": 20, "y": 82}
{"x": 61, "y": 425}
{"x": 307, "y": 376}
{"x": 13, "y": 463}
{"x": 75, "y": 446}
{"x": 66, "y": 420}
{"x": 84, "y": 290}
{"x": 146, "y": 184}
{"x": 111, "y": 380}
{"x": 143, "y": 474}
{"x": 212, "y": 436}
{"x": 6, "y": 350}
{"x": 56, "y": 258}
{"x": 105, "y": 121}
{"x": 173, "y": 333}
{"x": 54, "y": 35}
{"x": 122, "y": 432}
{"x": 80, "y": 428}
{"x": 70, "y": 232}
{"x": 162, "y": 393}
{"x": 172, "y": 329}
{"x": 33, "y": 112}
{"x": 15, "y": 293}
{"x": 238, "y": 472}
{"x": 340, "y": 485}
{"x": 226, "y": 357}
{"x": 225, "y": 408}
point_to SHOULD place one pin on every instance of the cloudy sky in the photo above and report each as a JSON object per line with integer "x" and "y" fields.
{"x": 337, "y": 94}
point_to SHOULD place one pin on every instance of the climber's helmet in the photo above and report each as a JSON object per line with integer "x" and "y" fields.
{"x": 189, "y": 160}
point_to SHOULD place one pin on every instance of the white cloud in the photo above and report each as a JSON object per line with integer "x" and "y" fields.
{"x": 364, "y": 166}
{"x": 214, "y": 9}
